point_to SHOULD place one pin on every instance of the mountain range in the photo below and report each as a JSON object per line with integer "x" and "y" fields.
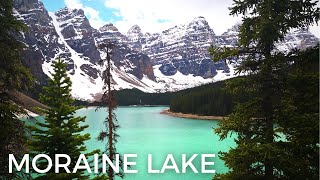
{"x": 171, "y": 60}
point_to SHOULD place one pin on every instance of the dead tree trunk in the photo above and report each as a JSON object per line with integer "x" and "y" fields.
{"x": 111, "y": 120}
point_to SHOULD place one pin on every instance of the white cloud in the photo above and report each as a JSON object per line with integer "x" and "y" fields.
{"x": 154, "y": 16}
{"x": 92, "y": 14}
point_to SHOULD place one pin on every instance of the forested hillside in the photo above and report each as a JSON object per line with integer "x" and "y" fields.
{"x": 208, "y": 100}
{"x": 128, "y": 97}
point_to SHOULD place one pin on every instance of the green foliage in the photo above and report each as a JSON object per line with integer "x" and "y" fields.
{"x": 12, "y": 137}
{"x": 295, "y": 150}
{"x": 60, "y": 133}
{"x": 280, "y": 100}
{"x": 13, "y": 76}
{"x": 210, "y": 100}
{"x": 127, "y": 97}
{"x": 300, "y": 117}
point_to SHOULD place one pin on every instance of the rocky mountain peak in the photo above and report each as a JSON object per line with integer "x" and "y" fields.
{"x": 134, "y": 33}
{"x": 199, "y": 23}
{"x": 233, "y": 31}
{"x": 66, "y": 14}
{"x": 109, "y": 32}
{"x": 200, "y": 19}
{"x": 108, "y": 27}
{"x": 74, "y": 12}
{"x": 74, "y": 23}
{"x": 25, "y": 5}
{"x": 28, "y": 10}
{"x": 135, "y": 29}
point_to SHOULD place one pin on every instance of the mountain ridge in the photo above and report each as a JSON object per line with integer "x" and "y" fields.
{"x": 174, "y": 59}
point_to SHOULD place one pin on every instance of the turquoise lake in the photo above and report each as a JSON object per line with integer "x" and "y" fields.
{"x": 143, "y": 131}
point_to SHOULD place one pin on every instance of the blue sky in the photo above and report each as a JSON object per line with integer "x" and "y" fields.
{"x": 153, "y": 15}
{"x": 105, "y": 14}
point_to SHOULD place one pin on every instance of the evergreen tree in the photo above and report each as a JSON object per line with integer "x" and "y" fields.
{"x": 110, "y": 134}
{"x": 258, "y": 154}
{"x": 210, "y": 99}
{"x": 13, "y": 76}
{"x": 300, "y": 117}
{"x": 60, "y": 133}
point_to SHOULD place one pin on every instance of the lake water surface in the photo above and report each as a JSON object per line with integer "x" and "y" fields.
{"x": 143, "y": 131}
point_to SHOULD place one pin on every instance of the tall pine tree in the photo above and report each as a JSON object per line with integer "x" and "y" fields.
{"x": 299, "y": 115}
{"x": 258, "y": 152}
{"x": 13, "y": 76}
{"x": 60, "y": 133}
{"x": 111, "y": 123}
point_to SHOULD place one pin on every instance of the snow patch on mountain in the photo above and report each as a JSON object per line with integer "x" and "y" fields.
{"x": 222, "y": 75}
{"x": 128, "y": 81}
{"x": 83, "y": 86}
{"x": 175, "y": 82}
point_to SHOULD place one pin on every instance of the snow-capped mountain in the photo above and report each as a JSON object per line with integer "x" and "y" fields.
{"x": 297, "y": 38}
{"x": 41, "y": 39}
{"x": 69, "y": 35}
{"x": 183, "y": 48}
{"x": 170, "y": 60}
{"x": 134, "y": 34}
{"x": 110, "y": 33}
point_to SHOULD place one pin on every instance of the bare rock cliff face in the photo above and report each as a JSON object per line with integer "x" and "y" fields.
{"x": 41, "y": 39}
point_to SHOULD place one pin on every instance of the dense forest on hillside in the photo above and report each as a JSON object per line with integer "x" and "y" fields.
{"x": 131, "y": 97}
{"x": 128, "y": 97}
{"x": 207, "y": 100}
{"x": 211, "y": 99}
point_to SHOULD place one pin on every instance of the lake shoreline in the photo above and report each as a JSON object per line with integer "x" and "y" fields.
{"x": 191, "y": 116}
